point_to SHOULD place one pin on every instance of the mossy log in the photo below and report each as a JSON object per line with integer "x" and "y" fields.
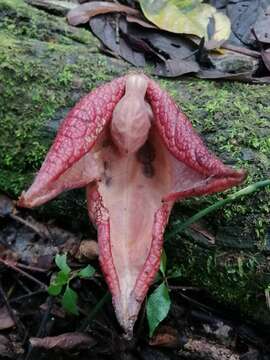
{"x": 46, "y": 66}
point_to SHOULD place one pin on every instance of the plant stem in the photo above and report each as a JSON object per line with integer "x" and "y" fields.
{"x": 230, "y": 198}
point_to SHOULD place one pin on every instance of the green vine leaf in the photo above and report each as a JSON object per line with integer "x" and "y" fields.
{"x": 86, "y": 272}
{"x": 69, "y": 301}
{"x": 61, "y": 262}
{"x": 158, "y": 306}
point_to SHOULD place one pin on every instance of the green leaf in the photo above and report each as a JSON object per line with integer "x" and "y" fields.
{"x": 54, "y": 289}
{"x": 187, "y": 17}
{"x": 61, "y": 278}
{"x": 56, "y": 285}
{"x": 86, "y": 272}
{"x": 61, "y": 262}
{"x": 69, "y": 301}
{"x": 163, "y": 263}
{"x": 158, "y": 306}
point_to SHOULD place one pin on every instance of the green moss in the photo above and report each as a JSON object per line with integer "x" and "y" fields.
{"x": 236, "y": 279}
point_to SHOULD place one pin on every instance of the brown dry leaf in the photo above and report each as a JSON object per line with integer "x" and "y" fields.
{"x": 67, "y": 341}
{"x": 6, "y": 320}
{"x": 83, "y": 13}
{"x": 88, "y": 250}
{"x": 205, "y": 349}
{"x": 9, "y": 348}
{"x": 166, "y": 336}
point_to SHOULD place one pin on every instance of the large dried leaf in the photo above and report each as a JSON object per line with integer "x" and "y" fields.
{"x": 170, "y": 54}
{"x": 83, "y": 13}
{"x": 246, "y": 15}
{"x": 67, "y": 341}
{"x": 187, "y": 17}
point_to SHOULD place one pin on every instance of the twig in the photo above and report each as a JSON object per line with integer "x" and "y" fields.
{"x": 23, "y": 297}
{"x": 14, "y": 267}
{"x": 41, "y": 329}
{"x": 230, "y": 198}
{"x": 18, "y": 323}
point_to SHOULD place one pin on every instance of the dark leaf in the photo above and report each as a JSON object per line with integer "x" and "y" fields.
{"x": 244, "y": 16}
{"x": 140, "y": 21}
{"x": 83, "y": 13}
{"x": 68, "y": 341}
{"x": 175, "y": 68}
{"x": 264, "y": 53}
{"x": 104, "y": 27}
{"x": 6, "y": 320}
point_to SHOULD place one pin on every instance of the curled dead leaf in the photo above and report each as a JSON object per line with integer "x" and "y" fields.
{"x": 88, "y": 250}
{"x": 83, "y": 13}
{"x": 166, "y": 336}
{"x": 67, "y": 341}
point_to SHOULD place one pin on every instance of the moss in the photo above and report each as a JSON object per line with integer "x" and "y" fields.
{"x": 236, "y": 279}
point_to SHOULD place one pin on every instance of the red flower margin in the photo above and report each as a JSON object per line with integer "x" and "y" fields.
{"x": 136, "y": 153}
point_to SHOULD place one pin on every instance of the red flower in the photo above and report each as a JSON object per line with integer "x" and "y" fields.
{"x": 136, "y": 153}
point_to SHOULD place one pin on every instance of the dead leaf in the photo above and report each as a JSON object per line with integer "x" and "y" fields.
{"x": 103, "y": 26}
{"x": 83, "y": 13}
{"x": 165, "y": 336}
{"x": 266, "y": 58}
{"x": 6, "y": 320}
{"x": 244, "y": 16}
{"x": 264, "y": 53}
{"x": 139, "y": 20}
{"x": 67, "y": 341}
{"x": 10, "y": 349}
{"x": 189, "y": 17}
{"x": 88, "y": 250}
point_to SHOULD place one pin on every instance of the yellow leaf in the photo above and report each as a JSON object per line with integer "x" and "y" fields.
{"x": 187, "y": 17}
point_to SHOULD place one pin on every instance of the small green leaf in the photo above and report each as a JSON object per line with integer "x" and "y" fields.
{"x": 57, "y": 283}
{"x": 158, "y": 306}
{"x": 61, "y": 278}
{"x": 61, "y": 262}
{"x": 54, "y": 289}
{"x": 163, "y": 263}
{"x": 86, "y": 272}
{"x": 69, "y": 301}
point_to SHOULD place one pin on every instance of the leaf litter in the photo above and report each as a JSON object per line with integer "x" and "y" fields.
{"x": 167, "y": 35}
{"x": 34, "y": 321}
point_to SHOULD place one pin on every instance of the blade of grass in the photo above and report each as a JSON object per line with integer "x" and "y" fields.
{"x": 230, "y": 198}
{"x": 95, "y": 310}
